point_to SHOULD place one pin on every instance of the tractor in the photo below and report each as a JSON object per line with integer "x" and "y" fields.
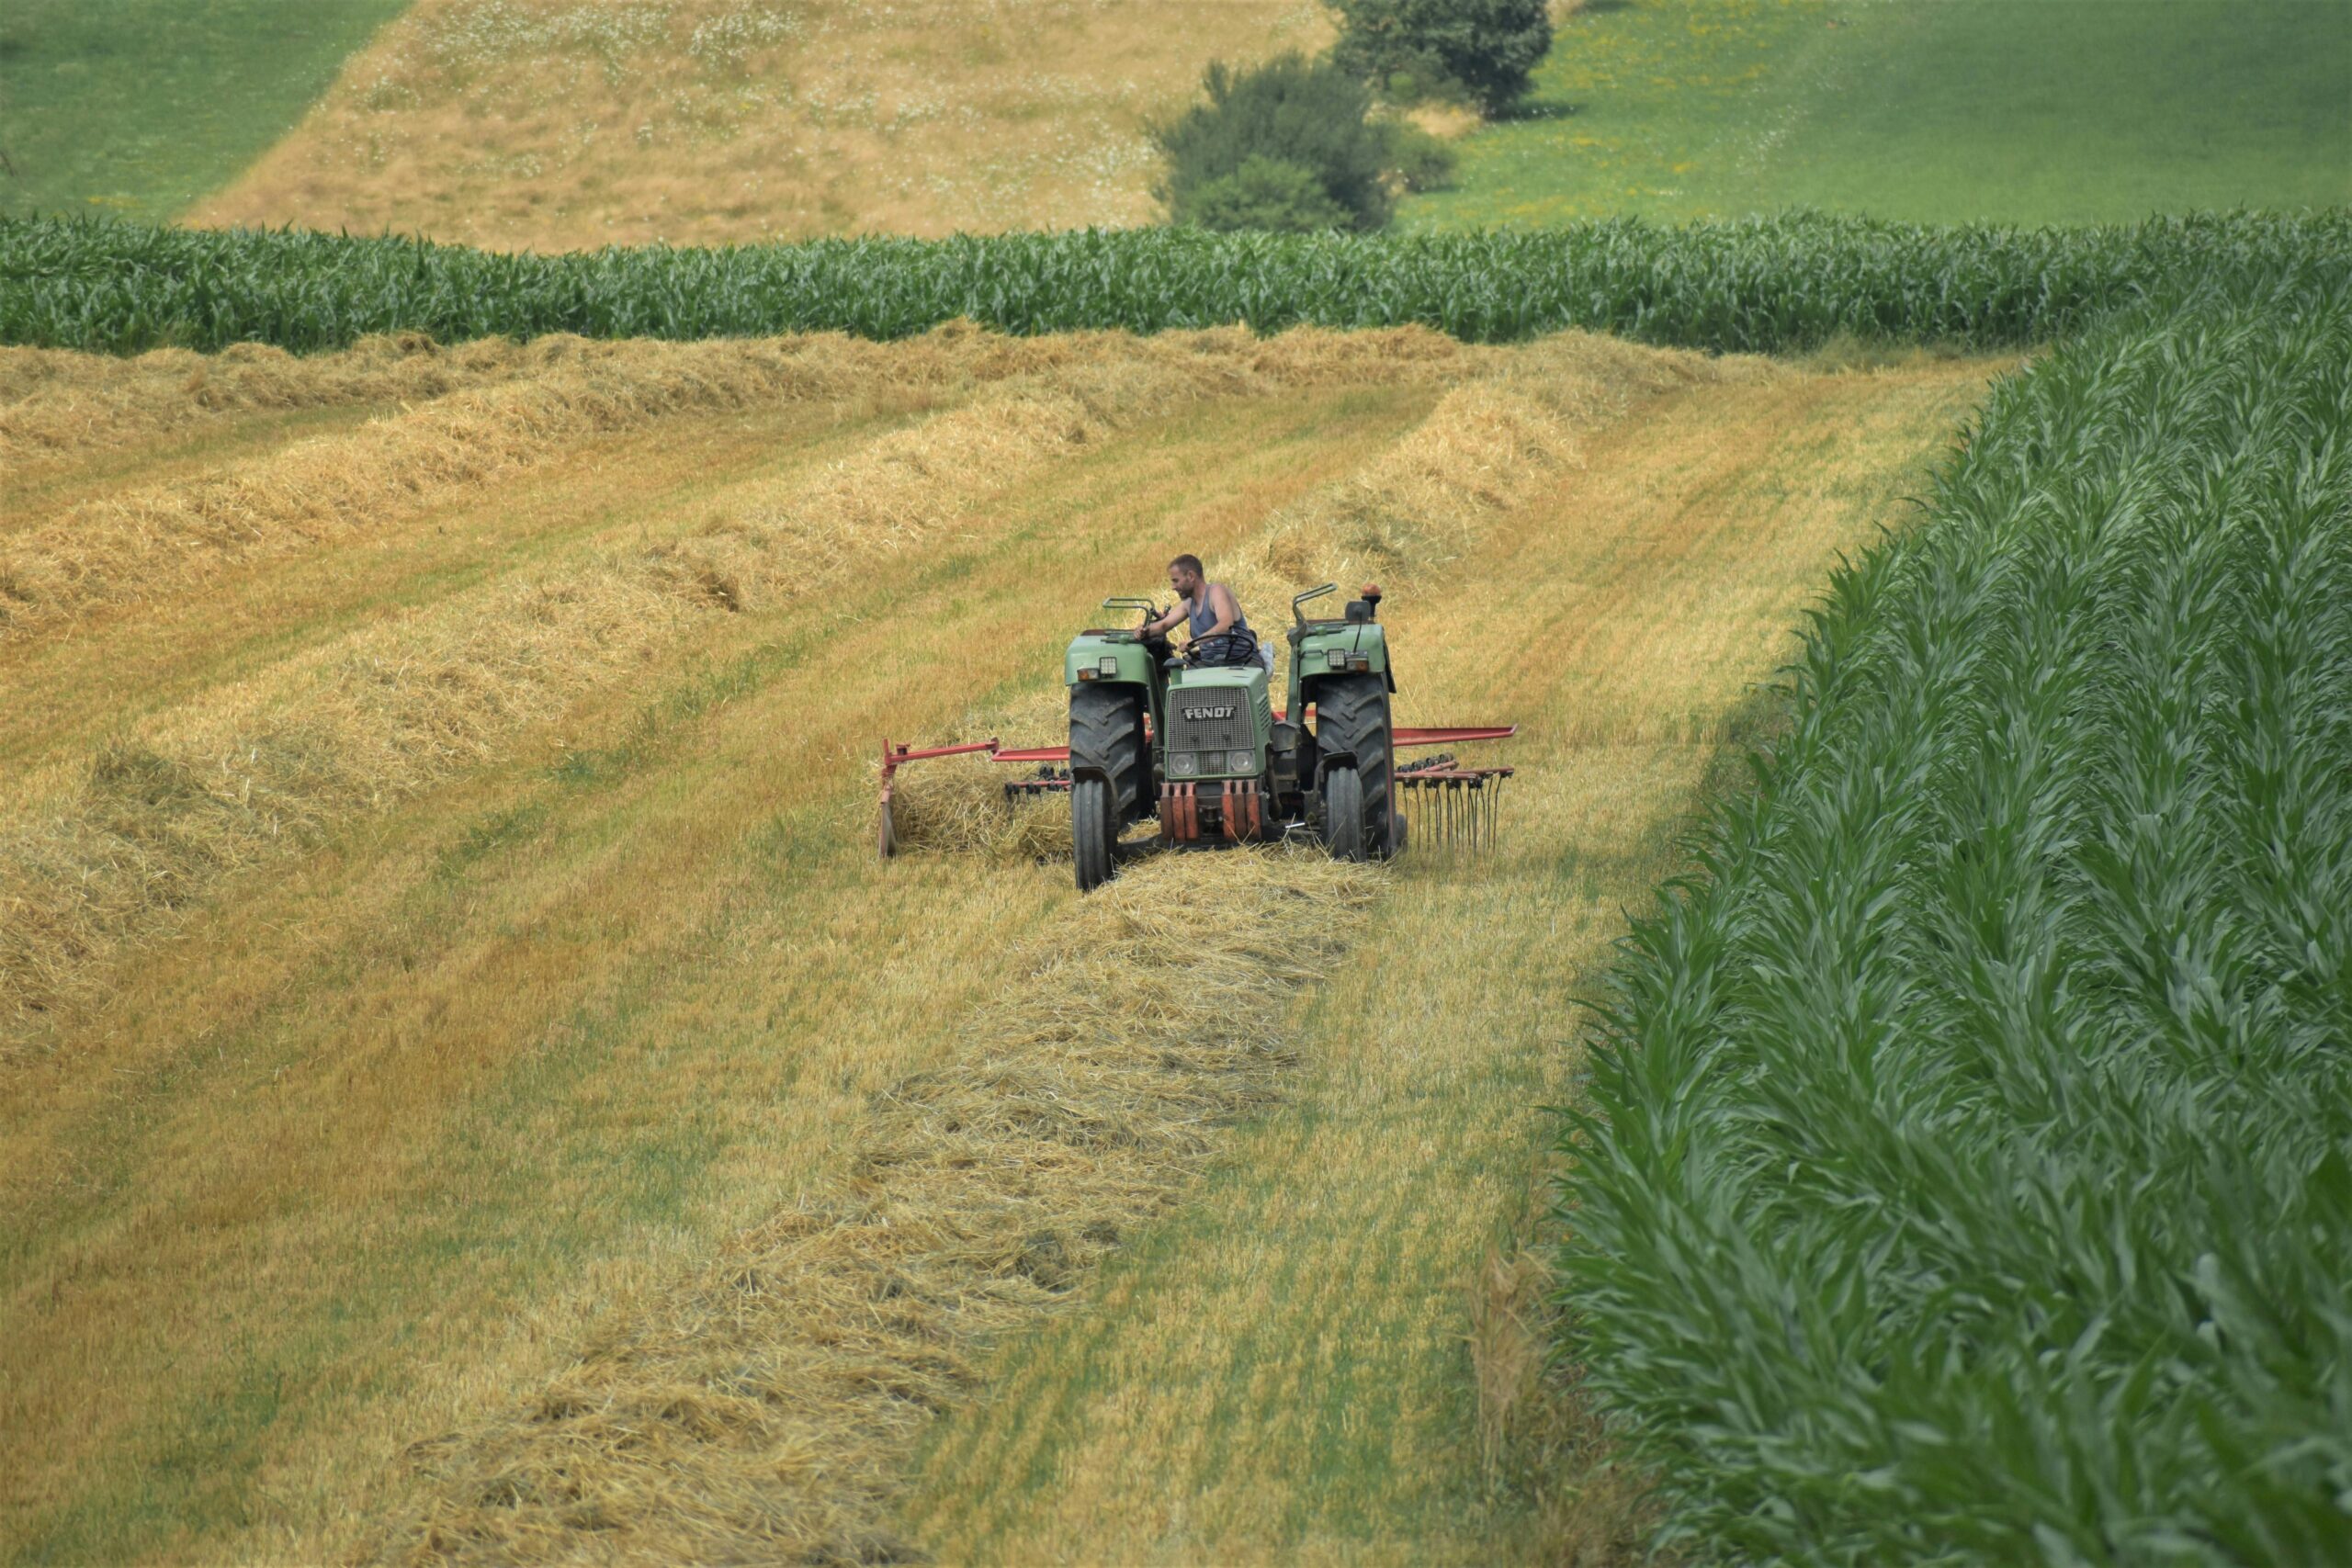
{"x": 1193, "y": 740}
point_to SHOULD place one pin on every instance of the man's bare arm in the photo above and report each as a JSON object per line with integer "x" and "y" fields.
{"x": 1222, "y": 606}
{"x": 1161, "y": 627}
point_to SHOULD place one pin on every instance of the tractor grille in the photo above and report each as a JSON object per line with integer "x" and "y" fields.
{"x": 1231, "y": 734}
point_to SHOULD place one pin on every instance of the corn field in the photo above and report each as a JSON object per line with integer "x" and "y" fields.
{"x": 1766, "y": 284}
{"x": 1967, "y": 1172}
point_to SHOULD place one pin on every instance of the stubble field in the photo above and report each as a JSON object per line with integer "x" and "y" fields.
{"x": 470, "y": 1090}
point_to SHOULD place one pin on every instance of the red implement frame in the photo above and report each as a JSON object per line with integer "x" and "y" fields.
{"x": 1405, "y": 735}
{"x": 1244, "y": 815}
{"x": 886, "y": 840}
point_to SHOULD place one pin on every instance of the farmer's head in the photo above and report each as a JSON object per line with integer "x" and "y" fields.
{"x": 1184, "y": 576}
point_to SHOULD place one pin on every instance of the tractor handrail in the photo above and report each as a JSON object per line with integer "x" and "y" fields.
{"x": 1297, "y": 616}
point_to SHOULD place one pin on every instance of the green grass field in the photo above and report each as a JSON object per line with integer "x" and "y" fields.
{"x": 138, "y": 107}
{"x": 2028, "y": 111}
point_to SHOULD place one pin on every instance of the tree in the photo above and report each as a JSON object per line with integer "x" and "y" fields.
{"x": 1237, "y": 160}
{"x": 1486, "y": 49}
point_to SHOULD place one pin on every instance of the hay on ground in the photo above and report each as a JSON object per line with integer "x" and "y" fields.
{"x": 766, "y": 1407}
{"x": 510, "y": 407}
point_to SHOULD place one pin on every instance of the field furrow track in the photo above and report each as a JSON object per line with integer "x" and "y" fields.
{"x": 479, "y": 953}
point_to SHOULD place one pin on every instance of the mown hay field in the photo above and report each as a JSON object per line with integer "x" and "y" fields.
{"x": 471, "y": 1093}
{"x": 527, "y": 125}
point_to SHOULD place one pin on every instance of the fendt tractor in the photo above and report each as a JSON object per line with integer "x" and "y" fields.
{"x": 1193, "y": 740}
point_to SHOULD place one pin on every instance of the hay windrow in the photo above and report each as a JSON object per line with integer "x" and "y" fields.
{"x": 957, "y": 805}
{"x": 1490, "y": 445}
{"x": 517, "y": 407}
{"x": 151, "y": 541}
{"x": 379, "y": 715}
{"x": 56, "y": 405}
{"x": 763, "y": 1409}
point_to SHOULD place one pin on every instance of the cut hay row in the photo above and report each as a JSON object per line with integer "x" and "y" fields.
{"x": 260, "y": 770}
{"x": 766, "y": 1408}
{"x": 1489, "y": 447}
{"x": 380, "y": 714}
{"x": 168, "y": 538}
{"x": 56, "y": 405}
{"x": 157, "y": 540}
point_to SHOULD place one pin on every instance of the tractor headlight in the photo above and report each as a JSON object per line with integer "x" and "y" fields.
{"x": 1241, "y": 762}
{"x": 1338, "y": 659}
{"x": 1110, "y": 664}
{"x": 1184, "y": 764}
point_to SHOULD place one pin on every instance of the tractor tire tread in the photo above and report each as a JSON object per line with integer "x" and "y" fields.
{"x": 1353, "y": 717}
{"x": 1093, "y": 835}
{"x": 1106, "y": 733}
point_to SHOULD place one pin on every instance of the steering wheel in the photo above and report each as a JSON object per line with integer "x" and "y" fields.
{"x": 1237, "y": 647}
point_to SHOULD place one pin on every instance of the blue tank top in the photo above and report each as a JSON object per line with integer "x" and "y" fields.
{"x": 1204, "y": 617}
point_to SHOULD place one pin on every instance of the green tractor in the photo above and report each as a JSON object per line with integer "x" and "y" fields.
{"x": 1193, "y": 740}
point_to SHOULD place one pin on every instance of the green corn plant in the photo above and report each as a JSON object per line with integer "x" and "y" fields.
{"x": 1750, "y": 285}
{"x": 1966, "y": 1174}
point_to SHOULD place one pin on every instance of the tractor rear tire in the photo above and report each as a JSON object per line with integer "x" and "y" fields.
{"x": 1343, "y": 815}
{"x": 1106, "y": 737}
{"x": 1351, "y": 718}
{"x": 1092, "y": 831}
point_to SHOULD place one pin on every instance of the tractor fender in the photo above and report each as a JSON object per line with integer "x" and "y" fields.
{"x": 1364, "y": 640}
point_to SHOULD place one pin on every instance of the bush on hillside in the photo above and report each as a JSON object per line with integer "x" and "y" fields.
{"x": 1484, "y": 51}
{"x": 1233, "y": 162}
{"x": 1416, "y": 160}
{"x": 1266, "y": 193}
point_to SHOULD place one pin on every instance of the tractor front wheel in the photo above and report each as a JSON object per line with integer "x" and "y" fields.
{"x": 1091, "y": 832}
{"x": 1106, "y": 737}
{"x": 1343, "y": 814}
{"x": 1351, "y": 720}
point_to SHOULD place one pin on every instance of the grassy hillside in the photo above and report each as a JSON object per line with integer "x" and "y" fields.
{"x": 139, "y": 108}
{"x": 694, "y": 122}
{"x": 2095, "y": 110}
{"x": 465, "y": 1071}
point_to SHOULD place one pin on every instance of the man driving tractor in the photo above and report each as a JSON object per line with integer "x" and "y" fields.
{"x": 1213, "y": 614}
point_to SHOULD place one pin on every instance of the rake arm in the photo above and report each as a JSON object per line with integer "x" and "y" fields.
{"x": 1455, "y": 805}
{"x": 898, "y": 756}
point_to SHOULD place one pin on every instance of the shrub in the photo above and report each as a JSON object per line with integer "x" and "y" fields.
{"x": 1484, "y": 49}
{"x": 1307, "y": 115}
{"x": 1418, "y": 159}
{"x": 1264, "y": 193}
